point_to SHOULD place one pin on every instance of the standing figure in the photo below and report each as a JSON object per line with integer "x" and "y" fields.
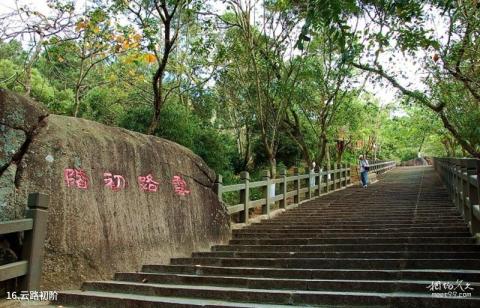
{"x": 364, "y": 170}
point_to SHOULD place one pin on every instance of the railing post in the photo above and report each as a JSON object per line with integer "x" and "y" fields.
{"x": 344, "y": 175}
{"x": 334, "y": 178}
{"x": 465, "y": 187}
{"x": 309, "y": 179}
{"x": 453, "y": 180}
{"x": 450, "y": 168}
{"x": 470, "y": 169}
{"x": 327, "y": 182}
{"x": 266, "y": 207}
{"x": 283, "y": 188}
{"x": 349, "y": 174}
{"x": 338, "y": 176}
{"x": 34, "y": 241}
{"x": 318, "y": 181}
{"x": 218, "y": 187}
{"x": 245, "y": 196}
{"x": 475, "y": 200}
{"x": 296, "y": 198}
{"x": 458, "y": 174}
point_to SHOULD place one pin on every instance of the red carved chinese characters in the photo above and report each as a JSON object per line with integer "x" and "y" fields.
{"x": 113, "y": 181}
{"x": 147, "y": 183}
{"x": 76, "y": 178}
{"x": 180, "y": 186}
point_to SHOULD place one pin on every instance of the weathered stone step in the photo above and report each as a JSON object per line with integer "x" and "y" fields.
{"x": 363, "y": 216}
{"x": 394, "y": 197}
{"x": 369, "y": 285}
{"x": 340, "y": 234}
{"x": 352, "y": 247}
{"x": 349, "y": 226}
{"x": 374, "y": 216}
{"x": 346, "y": 254}
{"x": 283, "y": 297}
{"x": 116, "y": 300}
{"x": 354, "y": 263}
{"x": 354, "y": 240}
{"x": 258, "y": 229}
{"x": 380, "y": 204}
{"x": 356, "y": 224}
{"x": 359, "y": 209}
{"x": 338, "y": 273}
{"x": 370, "y": 215}
{"x": 363, "y": 220}
{"x": 379, "y": 201}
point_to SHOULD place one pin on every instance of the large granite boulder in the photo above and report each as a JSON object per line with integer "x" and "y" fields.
{"x": 118, "y": 199}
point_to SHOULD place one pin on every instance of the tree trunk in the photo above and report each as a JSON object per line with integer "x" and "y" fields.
{"x": 79, "y": 83}
{"x": 273, "y": 167}
{"x": 340, "y": 156}
{"x": 157, "y": 80}
{"x": 322, "y": 149}
{"x": 463, "y": 143}
{"x": 29, "y": 65}
{"x": 246, "y": 156}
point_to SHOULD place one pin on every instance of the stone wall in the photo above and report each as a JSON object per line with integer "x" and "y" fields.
{"x": 118, "y": 199}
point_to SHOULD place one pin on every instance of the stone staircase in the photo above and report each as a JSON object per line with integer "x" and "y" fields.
{"x": 385, "y": 246}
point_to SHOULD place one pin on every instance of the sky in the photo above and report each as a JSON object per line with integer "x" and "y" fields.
{"x": 384, "y": 93}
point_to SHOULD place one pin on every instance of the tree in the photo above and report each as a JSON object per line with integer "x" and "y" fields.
{"x": 403, "y": 27}
{"x": 160, "y": 23}
{"x": 38, "y": 28}
{"x": 265, "y": 65}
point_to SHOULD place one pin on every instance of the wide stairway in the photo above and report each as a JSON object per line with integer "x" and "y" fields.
{"x": 398, "y": 243}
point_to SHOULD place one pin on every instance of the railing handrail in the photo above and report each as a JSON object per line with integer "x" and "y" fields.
{"x": 319, "y": 182}
{"x": 34, "y": 226}
{"x": 461, "y": 177}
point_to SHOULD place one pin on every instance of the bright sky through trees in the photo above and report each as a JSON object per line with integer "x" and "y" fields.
{"x": 253, "y": 84}
{"x": 385, "y": 93}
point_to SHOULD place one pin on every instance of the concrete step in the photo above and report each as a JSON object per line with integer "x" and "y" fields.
{"x": 335, "y": 273}
{"x": 363, "y": 217}
{"x": 352, "y": 247}
{"x": 336, "y": 254}
{"x": 262, "y": 230}
{"x": 116, "y": 300}
{"x": 282, "y": 297}
{"x": 364, "y": 220}
{"x": 245, "y": 235}
{"x": 416, "y": 286}
{"x": 333, "y": 212}
{"x": 354, "y": 240}
{"x": 363, "y": 224}
{"x": 326, "y": 263}
{"x": 380, "y": 205}
{"x": 413, "y": 227}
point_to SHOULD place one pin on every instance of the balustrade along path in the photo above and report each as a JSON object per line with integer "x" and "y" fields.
{"x": 401, "y": 242}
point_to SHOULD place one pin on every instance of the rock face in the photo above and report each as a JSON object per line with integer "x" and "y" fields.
{"x": 118, "y": 199}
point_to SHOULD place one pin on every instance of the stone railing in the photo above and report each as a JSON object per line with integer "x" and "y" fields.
{"x": 462, "y": 179}
{"x": 34, "y": 227}
{"x": 289, "y": 191}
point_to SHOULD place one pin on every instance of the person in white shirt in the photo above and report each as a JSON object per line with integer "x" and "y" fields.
{"x": 364, "y": 170}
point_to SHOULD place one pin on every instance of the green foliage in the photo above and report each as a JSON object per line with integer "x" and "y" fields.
{"x": 245, "y": 96}
{"x": 180, "y": 125}
{"x": 12, "y": 76}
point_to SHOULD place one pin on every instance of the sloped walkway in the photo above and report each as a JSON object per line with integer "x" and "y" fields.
{"x": 391, "y": 245}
